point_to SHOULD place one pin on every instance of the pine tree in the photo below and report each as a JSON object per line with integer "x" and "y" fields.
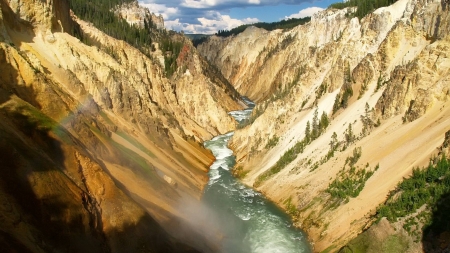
{"x": 334, "y": 141}
{"x": 366, "y": 120}
{"x": 348, "y": 75}
{"x": 349, "y": 135}
{"x": 315, "y": 125}
{"x": 308, "y": 132}
{"x": 367, "y": 110}
{"x": 324, "y": 122}
{"x": 337, "y": 103}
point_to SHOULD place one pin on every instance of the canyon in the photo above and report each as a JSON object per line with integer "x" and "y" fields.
{"x": 382, "y": 84}
{"x": 103, "y": 143}
{"x": 100, "y": 150}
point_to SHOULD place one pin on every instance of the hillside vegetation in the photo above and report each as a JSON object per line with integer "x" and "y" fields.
{"x": 364, "y": 7}
{"x": 100, "y": 14}
{"x": 97, "y": 146}
{"x": 426, "y": 186}
{"x": 380, "y": 73}
{"x": 141, "y": 38}
{"x": 418, "y": 210}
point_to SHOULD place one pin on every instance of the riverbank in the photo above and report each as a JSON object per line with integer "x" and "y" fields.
{"x": 243, "y": 218}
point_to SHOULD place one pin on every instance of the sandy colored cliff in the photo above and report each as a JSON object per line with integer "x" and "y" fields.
{"x": 100, "y": 149}
{"x": 395, "y": 61}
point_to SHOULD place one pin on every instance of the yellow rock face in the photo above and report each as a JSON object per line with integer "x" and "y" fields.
{"x": 396, "y": 60}
{"x": 94, "y": 132}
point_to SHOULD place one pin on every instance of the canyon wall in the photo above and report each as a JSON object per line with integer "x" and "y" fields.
{"x": 99, "y": 148}
{"x": 380, "y": 82}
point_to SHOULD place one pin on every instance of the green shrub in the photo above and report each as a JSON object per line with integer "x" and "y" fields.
{"x": 424, "y": 186}
{"x": 239, "y": 172}
{"x": 298, "y": 148}
{"x": 349, "y": 183}
{"x": 272, "y": 142}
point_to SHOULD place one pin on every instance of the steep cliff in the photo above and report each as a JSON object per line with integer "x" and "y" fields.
{"x": 137, "y": 15}
{"x": 381, "y": 85}
{"x": 99, "y": 148}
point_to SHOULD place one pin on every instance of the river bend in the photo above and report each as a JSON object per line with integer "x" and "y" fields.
{"x": 249, "y": 222}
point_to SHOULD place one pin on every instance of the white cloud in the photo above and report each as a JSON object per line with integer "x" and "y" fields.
{"x": 209, "y": 26}
{"x": 222, "y": 4}
{"x": 308, "y": 12}
{"x": 196, "y": 4}
{"x": 250, "y": 20}
{"x": 209, "y": 16}
{"x": 162, "y": 9}
{"x": 254, "y": 1}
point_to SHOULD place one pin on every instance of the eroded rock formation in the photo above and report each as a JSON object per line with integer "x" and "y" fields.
{"x": 384, "y": 78}
{"x": 90, "y": 132}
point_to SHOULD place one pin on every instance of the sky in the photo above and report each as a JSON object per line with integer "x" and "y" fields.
{"x": 209, "y": 16}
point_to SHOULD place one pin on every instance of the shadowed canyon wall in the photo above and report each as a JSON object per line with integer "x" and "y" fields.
{"x": 99, "y": 148}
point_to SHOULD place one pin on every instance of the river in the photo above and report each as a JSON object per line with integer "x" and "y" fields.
{"x": 249, "y": 222}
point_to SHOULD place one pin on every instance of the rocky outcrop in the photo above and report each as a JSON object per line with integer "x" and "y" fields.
{"x": 139, "y": 16}
{"x": 444, "y": 149}
{"x": 47, "y": 17}
{"x": 413, "y": 88}
{"x": 383, "y": 78}
{"x": 90, "y": 132}
{"x": 127, "y": 83}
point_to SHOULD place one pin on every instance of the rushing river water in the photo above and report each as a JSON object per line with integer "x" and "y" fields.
{"x": 248, "y": 221}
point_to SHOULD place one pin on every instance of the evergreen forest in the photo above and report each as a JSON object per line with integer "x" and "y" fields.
{"x": 364, "y": 7}
{"x": 101, "y": 14}
{"x": 422, "y": 200}
{"x": 283, "y": 24}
